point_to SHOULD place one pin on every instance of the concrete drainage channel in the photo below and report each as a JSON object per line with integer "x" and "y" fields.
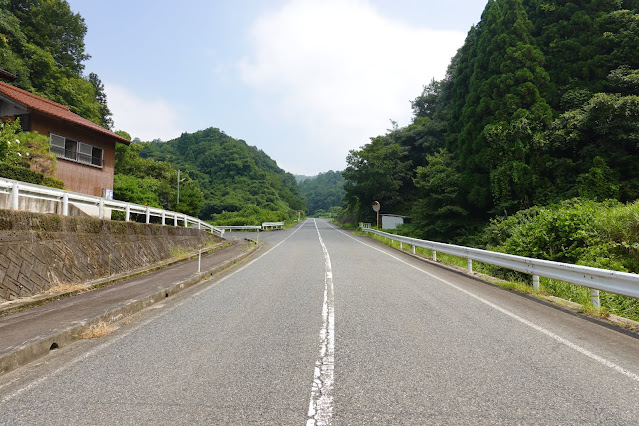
{"x": 42, "y": 345}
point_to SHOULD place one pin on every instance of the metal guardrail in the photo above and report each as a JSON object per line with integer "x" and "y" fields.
{"x": 596, "y": 279}
{"x": 272, "y": 225}
{"x": 17, "y": 189}
{"x": 239, "y": 228}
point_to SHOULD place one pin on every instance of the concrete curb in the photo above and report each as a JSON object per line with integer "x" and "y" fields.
{"x": 41, "y": 345}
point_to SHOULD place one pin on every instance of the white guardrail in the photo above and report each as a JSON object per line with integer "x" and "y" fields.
{"x": 595, "y": 279}
{"x": 17, "y": 189}
{"x": 240, "y": 228}
{"x": 264, "y": 226}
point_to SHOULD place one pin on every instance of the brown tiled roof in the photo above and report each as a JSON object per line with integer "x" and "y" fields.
{"x": 54, "y": 109}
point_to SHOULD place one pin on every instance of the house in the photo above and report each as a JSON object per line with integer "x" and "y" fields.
{"x": 85, "y": 150}
{"x": 392, "y": 221}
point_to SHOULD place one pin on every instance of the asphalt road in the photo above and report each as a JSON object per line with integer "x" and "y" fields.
{"x": 324, "y": 327}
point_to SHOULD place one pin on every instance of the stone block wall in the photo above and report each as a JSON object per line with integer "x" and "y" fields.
{"x": 40, "y": 251}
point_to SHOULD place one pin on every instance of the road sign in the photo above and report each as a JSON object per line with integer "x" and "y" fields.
{"x": 376, "y": 207}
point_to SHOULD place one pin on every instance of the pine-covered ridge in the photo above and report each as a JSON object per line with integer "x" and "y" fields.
{"x": 538, "y": 106}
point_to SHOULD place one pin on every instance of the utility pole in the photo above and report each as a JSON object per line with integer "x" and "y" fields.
{"x": 178, "y": 190}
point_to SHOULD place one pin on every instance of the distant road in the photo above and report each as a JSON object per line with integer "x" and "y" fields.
{"x": 329, "y": 328}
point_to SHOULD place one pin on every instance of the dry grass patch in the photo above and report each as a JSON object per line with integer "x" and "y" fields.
{"x": 98, "y": 330}
{"x": 67, "y": 288}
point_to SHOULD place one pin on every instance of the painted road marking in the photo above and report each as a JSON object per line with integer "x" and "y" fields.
{"x": 320, "y": 407}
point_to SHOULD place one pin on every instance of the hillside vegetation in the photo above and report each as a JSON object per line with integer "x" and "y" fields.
{"x": 538, "y": 106}
{"x": 324, "y": 193}
{"x": 233, "y": 177}
{"x": 42, "y": 43}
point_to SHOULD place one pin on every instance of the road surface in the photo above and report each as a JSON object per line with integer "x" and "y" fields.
{"x": 329, "y": 328}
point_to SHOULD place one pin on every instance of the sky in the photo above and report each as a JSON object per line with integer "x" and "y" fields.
{"x": 305, "y": 81}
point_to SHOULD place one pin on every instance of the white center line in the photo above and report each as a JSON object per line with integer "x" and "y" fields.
{"x": 320, "y": 407}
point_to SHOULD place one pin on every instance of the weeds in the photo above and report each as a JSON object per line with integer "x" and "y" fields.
{"x": 67, "y": 288}
{"x": 98, "y": 330}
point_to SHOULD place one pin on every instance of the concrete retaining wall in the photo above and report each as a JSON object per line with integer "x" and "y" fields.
{"x": 40, "y": 251}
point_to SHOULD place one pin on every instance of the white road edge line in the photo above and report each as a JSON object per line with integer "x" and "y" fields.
{"x": 514, "y": 316}
{"x": 105, "y": 345}
{"x": 320, "y": 407}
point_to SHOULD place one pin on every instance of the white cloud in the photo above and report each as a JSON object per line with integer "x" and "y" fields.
{"x": 146, "y": 119}
{"x": 341, "y": 70}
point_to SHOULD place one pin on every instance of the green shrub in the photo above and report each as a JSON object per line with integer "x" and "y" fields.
{"x": 253, "y": 215}
{"x": 25, "y": 174}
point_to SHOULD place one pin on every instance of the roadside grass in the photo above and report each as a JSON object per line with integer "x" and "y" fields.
{"x": 611, "y": 304}
{"x": 67, "y": 288}
{"x": 182, "y": 252}
{"x": 98, "y": 330}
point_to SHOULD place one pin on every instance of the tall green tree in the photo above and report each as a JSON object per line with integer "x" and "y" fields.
{"x": 42, "y": 43}
{"x": 438, "y": 213}
{"x": 376, "y": 173}
{"x": 504, "y": 110}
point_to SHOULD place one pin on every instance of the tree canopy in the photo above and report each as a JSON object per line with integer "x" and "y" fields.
{"x": 323, "y": 192}
{"x": 538, "y": 106}
{"x": 42, "y": 43}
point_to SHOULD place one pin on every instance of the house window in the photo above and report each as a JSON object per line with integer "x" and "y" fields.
{"x": 81, "y": 152}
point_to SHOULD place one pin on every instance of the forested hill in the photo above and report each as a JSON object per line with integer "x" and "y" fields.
{"x": 538, "y": 106}
{"x": 324, "y": 193}
{"x": 231, "y": 174}
{"x": 42, "y": 43}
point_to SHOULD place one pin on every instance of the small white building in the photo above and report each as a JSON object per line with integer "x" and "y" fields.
{"x": 392, "y": 221}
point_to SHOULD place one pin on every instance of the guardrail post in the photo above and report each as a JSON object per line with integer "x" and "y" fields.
{"x": 413, "y": 249}
{"x": 127, "y": 213}
{"x": 65, "y": 204}
{"x": 535, "y": 282}
{"x": 186, "y": 221}
{"x": 101, "y": 208}
{"x": 148, "y": 214}
{"x": 401, "y": 246}
{"x": 175, "y": 221}
{"x": 469, "y": 264}
{"x": 163, "y": 217}
{"x": 14, "y": 196}
{"x": 594, "y": 299}
{"x": 434, "y": 255}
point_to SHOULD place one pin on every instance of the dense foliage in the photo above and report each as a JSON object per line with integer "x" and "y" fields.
{"x": 154, "y": 183}
{"x": 26, "y": 157}
{"x": 322, "y": 192}
{"x": 584, "y": 232}
{"x": 600, "y": 234}
{"x": 538, "y": 106}
{"x": 42, "y": 43}
{"x": 232, "y": 175}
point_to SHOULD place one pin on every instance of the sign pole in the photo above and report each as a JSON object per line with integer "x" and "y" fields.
{"x": 376, "y": 207}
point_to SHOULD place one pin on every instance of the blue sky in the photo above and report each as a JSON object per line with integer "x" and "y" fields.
{"x": 303, "y": 80}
